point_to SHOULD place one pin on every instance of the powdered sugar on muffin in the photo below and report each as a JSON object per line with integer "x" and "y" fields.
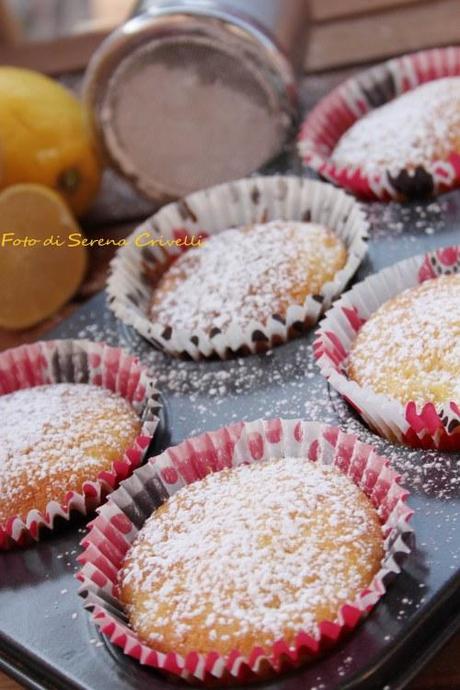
{"x": 54, "y": 437}
{"x": 410, "y": 348}
{"x": 249, "y": 555}
{"x": 247, "y": 274}
{"x": 414, "y": 129}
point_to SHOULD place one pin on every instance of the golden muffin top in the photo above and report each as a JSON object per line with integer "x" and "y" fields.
{"x": 414, "y": 129}
{"x": 249, "y": 555}
{"x": 53, "y": 436}
{"x": 247, "y": 274}
{"x": 409, "y": 349}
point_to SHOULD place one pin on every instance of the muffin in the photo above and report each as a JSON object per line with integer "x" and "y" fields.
{"x": 409, "y": 349}
{"x": 246, "y": 275}
{"x": 250, "y": 555}
{"x": 406, "y": 134}
{"x": 55, "y": 437}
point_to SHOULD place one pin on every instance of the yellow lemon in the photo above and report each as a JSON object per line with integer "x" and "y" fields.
{"x": 39, "y": 270}
{"x": 45, "y": 138}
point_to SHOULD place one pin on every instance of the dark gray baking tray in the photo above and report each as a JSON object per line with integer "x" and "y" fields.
{"x": 48, "y": 641}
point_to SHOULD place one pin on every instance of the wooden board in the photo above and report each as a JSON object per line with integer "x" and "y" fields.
{"x": 342, "y": 33}
{"x": 323, "y": 10}
{"x": 380, "y": 34}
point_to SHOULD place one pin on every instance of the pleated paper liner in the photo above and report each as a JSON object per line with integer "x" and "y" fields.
{"x": 334, "y": 115}
{"x": 79, "y": 361}
{"x": 113, "y": 531}
{"x": 248, "y": 201}
{"x": 420, "y": 426}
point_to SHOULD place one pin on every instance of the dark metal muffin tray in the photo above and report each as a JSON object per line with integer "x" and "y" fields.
{"x": 47, "y": 639}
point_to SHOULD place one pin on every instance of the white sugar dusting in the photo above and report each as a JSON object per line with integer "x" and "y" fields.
{"x": 414, "y": 129}
{"x": 206, "y": 395}
{"x": 390, "y": 221}
{"x": 285, "y": 383}
{"x": 247, "y": 274}
{"x": 53, "y": 432}
{"x": 259, "y": 550}
{"x": 410, "y": 347}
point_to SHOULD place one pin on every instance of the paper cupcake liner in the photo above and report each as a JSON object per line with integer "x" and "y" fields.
{"x": 247, "y": 201}
{"x": 334, "y": 114}
{"x": 113, "y": 531}
{"x": 420, "y": 426}
{"x": 79, "y": 361}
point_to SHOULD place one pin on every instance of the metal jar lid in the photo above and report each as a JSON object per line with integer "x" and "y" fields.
{"x": 189, "y": 94}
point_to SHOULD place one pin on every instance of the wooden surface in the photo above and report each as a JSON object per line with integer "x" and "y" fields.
{"x": 382, "y": 33}
{"x": 342, "y": 32}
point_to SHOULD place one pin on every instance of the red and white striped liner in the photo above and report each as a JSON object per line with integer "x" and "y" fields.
{"x": 420, "y": 426}
{"x": 79, "y": 361}
{"x": 334, "y": 114}
{"x": 243, "y": 202}
{"x": 113, "y": 531}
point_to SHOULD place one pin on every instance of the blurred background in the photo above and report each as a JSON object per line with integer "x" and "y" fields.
{"x": 46, "y": 20}
{"x": 342, "y": 32}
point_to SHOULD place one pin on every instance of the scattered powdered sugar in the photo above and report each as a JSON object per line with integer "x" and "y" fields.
{"x": 391, "y": 221}
{"x": 53, "y": 433}
{"x": 410, "y": 347}
{"x": 199, "y": 396}
{"x": 414, "y": 129}
{"x": 430, "y": 473}
{"x": 283, "y": 382}
{"x": 252, "y": 554}
{"x": 247, "y": 274}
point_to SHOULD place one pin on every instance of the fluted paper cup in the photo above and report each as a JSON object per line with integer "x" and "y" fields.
{"x": 79, "y": 361}
{"x": 350, "y": 101}
{"x": 135, "y": 270}
{"x": 426, "y": 426}
{"x": 111, "y": 534}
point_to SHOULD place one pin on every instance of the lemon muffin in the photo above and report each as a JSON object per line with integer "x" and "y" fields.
{"x": 246, "y": 274}
{"x": 250, "y": 555}
{"x": 54, "y": 437}
{"x": 409, "y": 349}
{"x": 409, "y": 132}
